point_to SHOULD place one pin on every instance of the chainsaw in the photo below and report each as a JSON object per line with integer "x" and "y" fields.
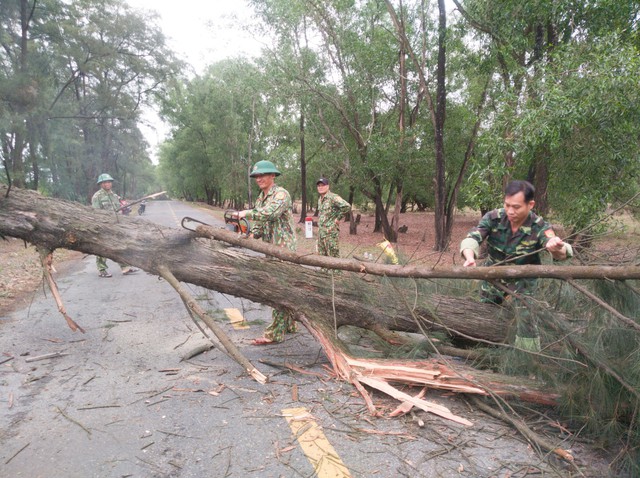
{"x": 232, "y": 223}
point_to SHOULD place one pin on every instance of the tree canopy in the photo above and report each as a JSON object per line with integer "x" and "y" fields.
{"x": 414, "y": 105}
{"x": 74, "y": 79}
{"x": 403, "y": 105}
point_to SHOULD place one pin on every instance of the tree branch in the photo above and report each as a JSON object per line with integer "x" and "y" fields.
{"x": 630, "y": 322}
{"x": 233, "y": 351}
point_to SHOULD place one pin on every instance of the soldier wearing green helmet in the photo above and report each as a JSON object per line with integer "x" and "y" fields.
{"x": 272, "y": 221}
{"x": 106, "y": 199}
{"x": 264, "y": 167}
{"x": 104, "y": 177}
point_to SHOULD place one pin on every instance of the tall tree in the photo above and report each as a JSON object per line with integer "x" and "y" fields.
{"x": 18, "y": 88}
{"x": 353, "y": 52}
{"x": 446, "y": 180}
{"x": 566, "y": 100}
{"x": 220, "y": 122}
{"x": 88, "y": 67}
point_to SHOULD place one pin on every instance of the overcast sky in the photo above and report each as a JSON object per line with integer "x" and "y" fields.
{"x": 201, "y": 32}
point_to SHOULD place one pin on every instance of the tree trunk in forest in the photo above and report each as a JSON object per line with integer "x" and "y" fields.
{"x": 303, "y": 171}
{"x": 20, "y": 121}
{"x": 353, "y": 224}
{"x": 442, "y": 241}
{"x": 382, "y": 221}
{"x": 539, "y": 177}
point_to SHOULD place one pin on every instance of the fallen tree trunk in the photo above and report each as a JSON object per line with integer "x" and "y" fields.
{"x": 357, "y": 298}
{"x": 52, "y": 223}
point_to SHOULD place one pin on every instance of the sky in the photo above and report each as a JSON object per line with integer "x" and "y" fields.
{"x": 201, "y": 32}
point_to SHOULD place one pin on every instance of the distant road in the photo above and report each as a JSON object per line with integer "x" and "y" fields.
{"x": 170, "y": 213}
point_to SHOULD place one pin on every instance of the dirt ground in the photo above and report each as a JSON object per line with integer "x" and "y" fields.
{"x": 416, "y": 245}
{"x": 21, "y": 273}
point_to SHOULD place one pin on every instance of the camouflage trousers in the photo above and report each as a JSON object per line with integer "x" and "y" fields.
{"x": 101, "y": 263}
{"x": 328, "y": 244}
{"x": 527, "y": 334}
{"x": 491, "y": 294}
{"x": 281, "y": 323}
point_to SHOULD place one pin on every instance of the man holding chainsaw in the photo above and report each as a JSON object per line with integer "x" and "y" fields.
{"x": 272, "y": 221}
{"x": 106, "y": 199}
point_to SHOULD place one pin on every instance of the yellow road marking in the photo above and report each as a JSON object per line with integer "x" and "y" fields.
{"x": 175, "y": 217}
{"x": 321, "y": 454}
{"x": 236, "y": 319}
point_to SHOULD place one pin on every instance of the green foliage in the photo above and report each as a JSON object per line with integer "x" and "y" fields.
{"x": 589, "y": 357}
{"x": 222, "y": 122}
{"x": 70, "y": 103}
{"x": 71, "y": 99}
{"x": 593, "y": 363}
{"x": 586, "y": 114}
{"x": 565, "y": 111}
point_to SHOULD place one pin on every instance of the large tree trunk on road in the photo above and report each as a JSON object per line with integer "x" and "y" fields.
{"x": 358, "y": 297}
{"x": 52, "y": 223}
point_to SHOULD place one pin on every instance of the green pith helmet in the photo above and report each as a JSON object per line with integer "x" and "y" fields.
{"x": 104, "y": 177}
{"x": 264, "y": 167}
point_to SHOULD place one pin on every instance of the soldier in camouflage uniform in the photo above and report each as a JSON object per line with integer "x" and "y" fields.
{"x": 331, "y": 209}
{"x": 272, "y": 221}
{"x": 107, "y": 200}
{"x": 514, "y": 235}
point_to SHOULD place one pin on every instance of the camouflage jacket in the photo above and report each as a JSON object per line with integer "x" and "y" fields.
{"x": 331, "y": 209}
{"x": 104, "y": 199}
{"x": 503, "y": 245}
{"x": 272, "y": 218}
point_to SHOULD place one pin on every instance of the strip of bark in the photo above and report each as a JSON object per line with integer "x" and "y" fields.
{"x": 196, "y": 351}
{"x": 425, "y": 405}
{"x": 405, "y": 407}
{"x": 62, "y": 412}
{"x": 46, "y": 356}
{"x": 17, "y": 453}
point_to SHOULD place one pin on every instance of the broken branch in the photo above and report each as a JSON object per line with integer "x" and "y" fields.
{"x": 219, "y": 333}
{"x": 46, "y": 259}
{"x": 524, "y": 430}
{"x": 630, "y": 322}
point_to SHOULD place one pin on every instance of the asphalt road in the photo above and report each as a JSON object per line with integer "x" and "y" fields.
{"x": 119, "y": 401}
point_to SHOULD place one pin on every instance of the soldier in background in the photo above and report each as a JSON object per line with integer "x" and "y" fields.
{"x": 272, "y": 221}
{"x": 514, "y": 235}
{"x": 331, "y": 208}
{"x": 106, "y": 199}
